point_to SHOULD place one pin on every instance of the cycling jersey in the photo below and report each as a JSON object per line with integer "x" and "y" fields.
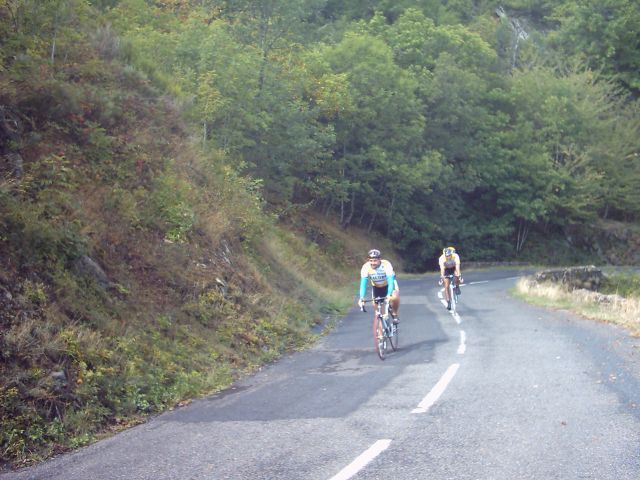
{"x": 449, "y": 263}
{"x": 383, "y": 276}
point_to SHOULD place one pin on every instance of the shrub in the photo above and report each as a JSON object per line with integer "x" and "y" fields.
{"x": 40, "y": 241}
{"x": 99, "y": 145}
{"x": 125, "y": 204}
{"x": 170, "y": 208}
{"x": 623, "y": 284}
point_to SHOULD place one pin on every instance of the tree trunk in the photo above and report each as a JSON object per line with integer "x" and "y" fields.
{"x": 329, "y": 206}
{"x": 265, "y": 16}
{"x": 53, "y": 46}
{"x": 522, "y": 233}
{"x": 351, "y": 209}
{"x": 390, "y": 212}
{"x": 370, "y": 227}
{"x": 204, "y": 136}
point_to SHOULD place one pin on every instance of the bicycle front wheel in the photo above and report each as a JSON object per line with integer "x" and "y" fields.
{"x": 393, "y": 337}
{"x": 379, "y": 338}
{"x": 453, "y": 296}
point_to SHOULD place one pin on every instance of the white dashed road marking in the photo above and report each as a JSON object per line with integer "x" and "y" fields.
{"x": 365, "y": 457}
{"x": 433, "y": 396}
{"x": 463, "y": 343}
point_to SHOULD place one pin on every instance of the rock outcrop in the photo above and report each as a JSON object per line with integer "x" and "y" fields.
{"x": 587, "y": 277}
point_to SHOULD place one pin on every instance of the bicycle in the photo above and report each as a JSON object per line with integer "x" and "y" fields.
{"x": 385, "y": 332}
{"x": 453, "y": 291}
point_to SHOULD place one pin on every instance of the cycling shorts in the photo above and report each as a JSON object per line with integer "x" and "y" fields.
{"x": 379, "y": 291}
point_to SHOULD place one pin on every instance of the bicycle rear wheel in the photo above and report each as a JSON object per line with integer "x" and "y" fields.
{"x": 379, "y": 337}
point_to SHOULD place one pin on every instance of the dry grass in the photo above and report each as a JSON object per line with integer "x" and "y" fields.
{"x": 304, "y": 263}
{"x": 613, "y": 309}
{"x": 328, "y": 265}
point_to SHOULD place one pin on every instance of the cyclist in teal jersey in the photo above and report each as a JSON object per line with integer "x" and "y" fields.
{"x": 379, "y": 273}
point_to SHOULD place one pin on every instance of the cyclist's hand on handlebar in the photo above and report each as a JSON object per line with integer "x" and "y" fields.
{"x": 361, "y": 305}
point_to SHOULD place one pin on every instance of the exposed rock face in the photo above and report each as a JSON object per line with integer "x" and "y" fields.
{"x": 87, "y": 266}
{"x": 10, "y": 124}
{"x": 616, "y": 243}
{"x": 13, "y": 164}
{"x": 588, "y": 277}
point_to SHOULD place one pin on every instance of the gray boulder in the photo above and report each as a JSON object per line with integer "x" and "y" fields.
{"x": 587, "y": 277}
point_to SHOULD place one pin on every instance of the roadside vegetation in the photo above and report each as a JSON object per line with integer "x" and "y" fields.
{"x": 617, "y": 302}
{"x": 137, "y": 269}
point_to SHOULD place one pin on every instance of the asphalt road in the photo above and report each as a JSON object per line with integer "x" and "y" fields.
{"x": 502, "y": 390}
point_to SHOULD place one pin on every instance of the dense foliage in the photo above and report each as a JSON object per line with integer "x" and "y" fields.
{"x": 160, "y": 138}
{"x": 468, "y": 123}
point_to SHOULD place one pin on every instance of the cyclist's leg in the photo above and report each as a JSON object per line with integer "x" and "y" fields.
{"x": 379, "y": 337}
{"x": 445, "y": 284}
{"x": 394, "y": 302}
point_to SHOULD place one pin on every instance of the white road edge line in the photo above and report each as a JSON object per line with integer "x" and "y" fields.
{"x": 457, "y": 317}
{"x": 437, "y": 390}
{"x": 365, "y": 457}
{"x": 475, "y": 283}
{"x": 463, "y": 346}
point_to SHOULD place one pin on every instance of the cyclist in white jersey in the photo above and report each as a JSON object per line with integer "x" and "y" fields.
{"x": 449, "y": 263}
{"x": 379, "y": 273}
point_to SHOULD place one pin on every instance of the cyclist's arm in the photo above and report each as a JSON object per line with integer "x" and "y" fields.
{"x": 363, "y": 286}
{"x": 458, "y": 271}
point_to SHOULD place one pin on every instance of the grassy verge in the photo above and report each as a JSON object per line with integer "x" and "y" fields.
{"x": 618, "y": 303}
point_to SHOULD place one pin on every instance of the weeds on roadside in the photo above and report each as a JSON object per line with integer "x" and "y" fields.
{"x": 624, "y": 284}
{"x": 614, "y": 309}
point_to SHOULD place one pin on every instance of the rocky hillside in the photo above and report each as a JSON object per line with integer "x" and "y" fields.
{"x": 614, "y": 243}
{"x": 136, "y": 271}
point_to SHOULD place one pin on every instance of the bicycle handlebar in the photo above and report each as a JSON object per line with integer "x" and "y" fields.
{"x": 376, "y": 300}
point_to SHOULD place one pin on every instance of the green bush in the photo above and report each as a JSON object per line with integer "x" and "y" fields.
{"x": 170, "y": 208}
{"x": 40, "y": 241}
{"x": 124, "y": 204}
{"x": 623, "y": 284}
{"x": 99, "y": 144}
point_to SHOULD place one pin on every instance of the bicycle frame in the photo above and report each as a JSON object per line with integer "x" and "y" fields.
{"x": 384, "y": 332}
{"x": 453, "y": 296}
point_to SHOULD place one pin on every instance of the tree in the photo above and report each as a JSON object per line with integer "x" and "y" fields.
{"x": 382, "y": 133}
{"x": 267, "y": 23}
{"x": 604, "y": 34}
